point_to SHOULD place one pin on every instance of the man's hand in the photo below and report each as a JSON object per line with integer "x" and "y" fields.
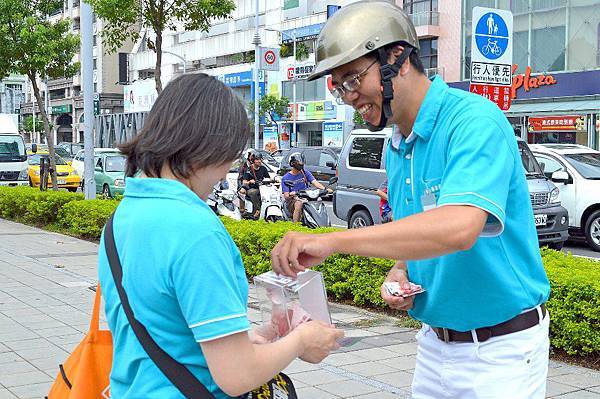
{"x": 397, "y": 273}
{"x": 292, "y": 193}
{"x": 298, "y": 251}
{"x": 252, "y": 181}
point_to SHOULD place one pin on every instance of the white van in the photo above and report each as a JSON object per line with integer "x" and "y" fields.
{"x": 13, "y": 158}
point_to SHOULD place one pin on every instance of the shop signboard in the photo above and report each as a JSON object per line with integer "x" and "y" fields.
{"x": 316, "y": 110}
{"x": 301, "y": 33}
{"x": 333, "y": 134}
{"x": 61, "y": 109}
{"x": 563, "y": 123}
{"x": 270, "y": 138}
{"x": 491, "y": 55}
{"x": 139, "y": 96}
{"x": 300, "y": 71}
{"x": 236, "y": 79}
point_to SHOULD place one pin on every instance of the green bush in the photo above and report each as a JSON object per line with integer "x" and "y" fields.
{"x": 86, "y": 218}
{"x": 574, "y": 302}
{"x": 33, "y": 206}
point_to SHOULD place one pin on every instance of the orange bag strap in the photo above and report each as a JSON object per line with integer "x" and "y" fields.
{"x": 95, "y": 322}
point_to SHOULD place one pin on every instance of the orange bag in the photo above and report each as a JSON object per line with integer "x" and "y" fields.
{"x": 85, "y": 374}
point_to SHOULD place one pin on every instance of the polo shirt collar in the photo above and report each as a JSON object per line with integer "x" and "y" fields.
{"x": 149, "y": 187}
{"x": 427, "y": 116}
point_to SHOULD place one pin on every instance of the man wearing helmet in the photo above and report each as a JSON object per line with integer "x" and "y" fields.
{"x": 244, "y": 165}
{"x": 463, "y": 222}
{"x": 301, "y": 180}
{"x": 253, "y": 176}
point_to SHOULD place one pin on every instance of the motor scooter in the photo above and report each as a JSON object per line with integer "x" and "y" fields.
{"x": 271, "y": 208}
{"x": 314, "y": 211}
{"x": 221, "y": 202}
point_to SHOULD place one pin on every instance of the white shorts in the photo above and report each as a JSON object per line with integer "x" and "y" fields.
{"x": 511, "y": 366}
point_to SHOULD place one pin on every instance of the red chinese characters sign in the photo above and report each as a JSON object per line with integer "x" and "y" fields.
{"x": 501, "y": 95}
{"x": 566, "y": 123}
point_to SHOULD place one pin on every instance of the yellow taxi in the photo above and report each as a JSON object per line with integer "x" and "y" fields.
{"x": 65, "y": 174}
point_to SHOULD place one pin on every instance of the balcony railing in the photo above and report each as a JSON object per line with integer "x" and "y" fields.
{"x": 425, "y": 18}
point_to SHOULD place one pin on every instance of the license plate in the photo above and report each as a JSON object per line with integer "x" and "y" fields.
{"x": 62, "y": 181}
{"x": 540, "y": 220}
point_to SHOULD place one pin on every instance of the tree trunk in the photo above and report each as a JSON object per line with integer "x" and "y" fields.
{"x": 49, "y": 136}
{"x": 157, "y": 70}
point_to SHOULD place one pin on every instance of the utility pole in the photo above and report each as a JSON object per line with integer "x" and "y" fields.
{"x": 295, "y": 108}
{"x": 256, "y": 43}
{"x": 87, "y": 70}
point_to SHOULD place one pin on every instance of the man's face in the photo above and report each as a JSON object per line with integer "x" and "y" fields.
{"x": 257, "y": 163}
{"x": 367, "y": 99}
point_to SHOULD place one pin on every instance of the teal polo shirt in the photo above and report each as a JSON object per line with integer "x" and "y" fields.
{"x": 185, "y": 281}
{"x": 463, "y": 151}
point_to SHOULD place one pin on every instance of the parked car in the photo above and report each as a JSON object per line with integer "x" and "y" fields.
{"x": 43, "y": 148}
{"x": 320, "y": 161}
{"x": 78, "y": 159}
{"x": 576, "y": 171}
{"x": 361, "y": 170}
{"x": 70, "y": 148}
{"x": 65, "y": 175}
{"x": 109, "y": 174}
{"x": 279, "y": 154}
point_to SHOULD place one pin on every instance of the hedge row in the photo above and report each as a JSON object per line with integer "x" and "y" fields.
{"x": 574, "y": 304}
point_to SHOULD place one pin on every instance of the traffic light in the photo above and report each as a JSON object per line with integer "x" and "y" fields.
{"x": 96, "y": 107}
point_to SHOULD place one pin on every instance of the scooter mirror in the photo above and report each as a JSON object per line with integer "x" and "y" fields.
{"x": 333, "y": 180}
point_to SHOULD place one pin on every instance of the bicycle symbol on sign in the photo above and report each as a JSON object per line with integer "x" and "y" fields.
{"x": 491, "y": 47}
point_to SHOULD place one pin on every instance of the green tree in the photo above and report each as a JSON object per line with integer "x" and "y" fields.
{"x": 358, "y": 119}
{"x": 123, "y": 17}
{"x": 273, "y": 108}
{"x": 32, "y": 45}
{"x": 29, "y": 122}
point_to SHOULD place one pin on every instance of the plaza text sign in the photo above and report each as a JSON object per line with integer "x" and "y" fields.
{"x": 528, "y": 82}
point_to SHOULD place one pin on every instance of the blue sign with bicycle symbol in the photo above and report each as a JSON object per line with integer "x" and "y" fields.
{"x": 491, "y": 35}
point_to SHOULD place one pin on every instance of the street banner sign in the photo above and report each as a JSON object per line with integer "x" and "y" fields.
{"x": 491, "y": 55}
{"x": 269, "y": 59}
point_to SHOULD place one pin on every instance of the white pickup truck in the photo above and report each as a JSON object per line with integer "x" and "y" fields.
{"x": 576, "y": 171}
{"x": 13, "y": 158}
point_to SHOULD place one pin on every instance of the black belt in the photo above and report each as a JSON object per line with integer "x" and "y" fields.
{"x": 518, "y": 323}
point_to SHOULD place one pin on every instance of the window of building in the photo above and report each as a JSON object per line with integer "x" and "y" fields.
{"x": 520, "y": 50}
{"x": 94, "y": 40}
{"x": 548, "y": 49}
{"x": 420, "y": 6}
{"x": 95, "y": 63}
{"x": 429, "y": 52}
{"x": 366, "y": 152}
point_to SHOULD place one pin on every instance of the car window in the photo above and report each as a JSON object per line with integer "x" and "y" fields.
{"x": 34, "y": 159}
{"x": 586, "y": 164}
{"x": 115, "y": 164}
{"x": 326, "y": 157}
{"x": 548, "y": 164}
{"x": 312, "y": 156}
{"x": 366, "y": 152}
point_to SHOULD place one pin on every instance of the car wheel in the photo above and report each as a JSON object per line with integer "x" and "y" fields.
{"x": 106, "y": 191}
{"x": 592, "y": 231}
{"x": 360, "y": 219}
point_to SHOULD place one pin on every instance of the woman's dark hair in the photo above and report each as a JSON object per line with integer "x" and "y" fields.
{"x": 195, "y": 122}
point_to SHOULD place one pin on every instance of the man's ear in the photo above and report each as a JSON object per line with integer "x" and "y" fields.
{"x": 394, "y": 53}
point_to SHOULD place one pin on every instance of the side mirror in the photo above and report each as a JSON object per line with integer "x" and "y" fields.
{"x": 98, "y": 169}
{"x": 561, "y": 176}
{"x": 34, "y": 148}
{"x": 330, "y": 164}
{"x": 333, "y": 180}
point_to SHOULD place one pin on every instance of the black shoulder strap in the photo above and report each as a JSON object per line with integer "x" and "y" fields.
{"x": 177, "y": 373}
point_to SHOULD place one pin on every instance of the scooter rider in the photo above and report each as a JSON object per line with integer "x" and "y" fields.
{"x": 255, "y": 174}
{"x": 301, "y": 179}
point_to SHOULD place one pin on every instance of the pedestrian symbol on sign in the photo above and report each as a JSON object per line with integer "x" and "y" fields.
{"x": 491, "y": 35}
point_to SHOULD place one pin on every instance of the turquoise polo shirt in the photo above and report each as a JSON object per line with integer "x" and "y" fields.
{"x": 463, "y": 151}
{"x": 185, "y": 281}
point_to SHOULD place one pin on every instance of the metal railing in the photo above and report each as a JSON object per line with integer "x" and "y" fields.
{"x": 114, "y": 129}
{"x": 425, "y": 18}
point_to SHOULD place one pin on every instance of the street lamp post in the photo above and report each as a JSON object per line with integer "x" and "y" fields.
{"x": 178, "y": 56}
{"x": 256, "y": 43}
{"x": 294, "y": 79}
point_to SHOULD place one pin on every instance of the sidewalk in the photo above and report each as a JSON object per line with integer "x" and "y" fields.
{"x": 45, "y": 305}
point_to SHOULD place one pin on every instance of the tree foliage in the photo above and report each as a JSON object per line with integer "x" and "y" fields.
{"x": 123, "y": 17}
{"x": 33, "y": 45}
{"x": 29, "y": 122}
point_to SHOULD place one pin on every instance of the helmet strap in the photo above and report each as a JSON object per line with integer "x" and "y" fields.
{"x": 388, "y": 72}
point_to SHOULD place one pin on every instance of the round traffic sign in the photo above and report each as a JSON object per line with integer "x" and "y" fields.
{"x": 270, "y": 57}
{"x": 491, "y": 35}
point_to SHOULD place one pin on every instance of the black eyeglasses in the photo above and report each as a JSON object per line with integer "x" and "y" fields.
{"x": 349, "y": 85}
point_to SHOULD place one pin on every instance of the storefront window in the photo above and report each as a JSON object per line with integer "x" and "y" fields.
{"x": 429, "y": 52}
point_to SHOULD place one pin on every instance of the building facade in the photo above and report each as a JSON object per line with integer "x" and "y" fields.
{"x": 556, "y": 68}
{"x": 227, "y": 52}
{"x": 65, "y": 96}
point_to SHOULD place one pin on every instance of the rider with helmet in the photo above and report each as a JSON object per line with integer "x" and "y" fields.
{"x": 241, "y": 171}
{"x": 254, "y": 175}
{"x": 301, "y": 179}
{"x": 463, "y": 226}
